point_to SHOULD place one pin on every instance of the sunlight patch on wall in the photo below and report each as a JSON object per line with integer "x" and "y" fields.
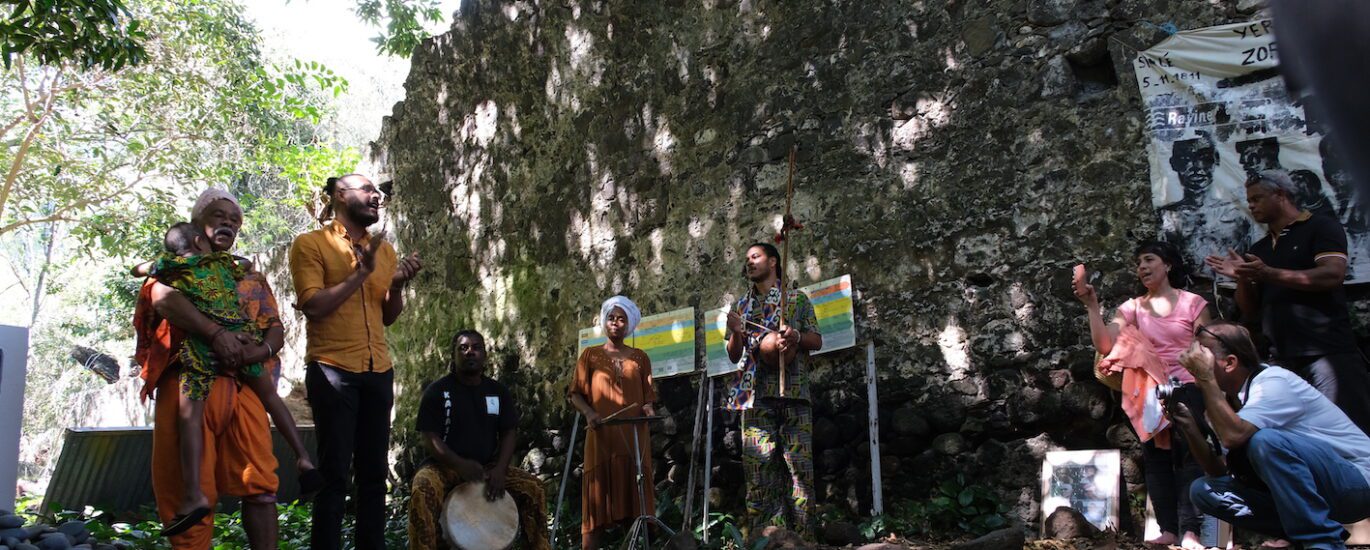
{"x": 479, "y": 126}
{"x": 909, "y": 175}
{"x": 951, "y": 62}
{"x": 584, "y": 64}
{"x": 952, "y": 342}
{"x": 1023, "y": 308}
{"x": 663, "y": 146}
{"x": 658, "y": 240}
{"x": 682, "y": 57}
{"x": 931, "y": 113}
{"x": 711, "y": 76}
{"x": 868, "y": 137}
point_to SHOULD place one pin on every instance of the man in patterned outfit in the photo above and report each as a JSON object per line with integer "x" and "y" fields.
{"x": 775, "y": 420}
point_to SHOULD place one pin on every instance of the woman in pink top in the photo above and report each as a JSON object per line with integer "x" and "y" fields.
{"x": 1166, "y": 315}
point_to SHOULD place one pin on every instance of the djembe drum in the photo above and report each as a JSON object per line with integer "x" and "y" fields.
{"x": 470, "y": 522}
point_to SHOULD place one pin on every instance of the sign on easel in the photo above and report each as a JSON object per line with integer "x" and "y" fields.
{"x": 716, "y": 360}
{"x": 667, "y": 338}
{"x": 14, "y": 352}
{"x": 832, "y": 305}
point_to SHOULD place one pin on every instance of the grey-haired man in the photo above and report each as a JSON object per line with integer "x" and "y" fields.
{"x": 1292, "y": 278}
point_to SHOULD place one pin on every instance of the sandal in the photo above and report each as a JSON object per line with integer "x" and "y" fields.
{"x": 182, "y": 523}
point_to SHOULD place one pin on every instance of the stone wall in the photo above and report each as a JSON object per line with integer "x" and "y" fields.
{"x": 955, "y": 157}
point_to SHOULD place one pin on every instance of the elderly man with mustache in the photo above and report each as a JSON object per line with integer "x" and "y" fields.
{"x": 236, "y": 457}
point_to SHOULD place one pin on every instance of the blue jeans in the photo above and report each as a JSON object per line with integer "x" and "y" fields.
{"x": 1312, "y": 491}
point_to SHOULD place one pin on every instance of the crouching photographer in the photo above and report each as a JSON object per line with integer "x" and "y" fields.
{"x": 1296, "y": 466}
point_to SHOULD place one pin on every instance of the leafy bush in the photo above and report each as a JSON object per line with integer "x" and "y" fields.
{"x": 145, "y": 533}
{"x": 953, "y": 507}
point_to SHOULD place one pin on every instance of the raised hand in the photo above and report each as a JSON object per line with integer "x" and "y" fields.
{"x": 1084, "y": 292}
{"x": 1225, "y": 265}
{"x": 366, "y": 255}
{"x": 1252, "y": 268}
{"x": 735, "y": 324}
{"x": 1198, "y": 360}
{"x": 407, "y": 269}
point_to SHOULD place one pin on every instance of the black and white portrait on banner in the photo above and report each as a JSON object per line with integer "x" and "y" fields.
{"x": 1218, "y": 112}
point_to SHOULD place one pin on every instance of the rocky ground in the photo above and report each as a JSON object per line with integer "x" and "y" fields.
{"x": 17, "y": 534}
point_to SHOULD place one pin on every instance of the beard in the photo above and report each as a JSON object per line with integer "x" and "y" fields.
{"x": 362, "y": 213}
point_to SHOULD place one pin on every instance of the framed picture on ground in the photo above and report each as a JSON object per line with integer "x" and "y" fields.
{"x": 1086, "y": 481}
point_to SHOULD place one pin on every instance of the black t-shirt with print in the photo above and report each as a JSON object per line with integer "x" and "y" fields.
{"x": 470, "y": 419}
{"x": 1301, "y": 323}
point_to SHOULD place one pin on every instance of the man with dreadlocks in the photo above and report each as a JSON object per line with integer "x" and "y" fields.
{"x": 764, "y": 338}
{"x": 350, "y": 285}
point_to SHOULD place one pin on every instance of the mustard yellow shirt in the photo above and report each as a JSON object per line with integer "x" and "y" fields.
{"x": 352, "y": 338}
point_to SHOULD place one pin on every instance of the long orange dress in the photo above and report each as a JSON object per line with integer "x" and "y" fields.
{"x": 608, "y": 492}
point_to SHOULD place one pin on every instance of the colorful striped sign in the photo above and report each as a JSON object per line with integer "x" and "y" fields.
{"x": 832, "y": 305}
{"x": 668, "y": 338}
{"x": 715, "y": 348}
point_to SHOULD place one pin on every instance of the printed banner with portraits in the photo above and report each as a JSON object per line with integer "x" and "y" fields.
{"x": 1217, "y": 112}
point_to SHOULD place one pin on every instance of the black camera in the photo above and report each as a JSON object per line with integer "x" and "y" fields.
{"x": 1164, "y": 392}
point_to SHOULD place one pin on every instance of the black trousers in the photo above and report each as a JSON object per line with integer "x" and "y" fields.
{"x": 1340, "y": 377}
{"x": 352, "y": 420}
{"x": 1169, "y": 472}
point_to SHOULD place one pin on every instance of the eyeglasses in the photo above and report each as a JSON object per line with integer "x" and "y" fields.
{"x": 364, "y": 188}
{"x": 1226, "y": 344}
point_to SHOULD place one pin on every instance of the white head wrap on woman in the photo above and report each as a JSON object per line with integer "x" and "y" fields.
{"x": 629, "y": 309}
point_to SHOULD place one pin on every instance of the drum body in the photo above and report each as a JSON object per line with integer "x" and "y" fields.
{"x": 472, "y": 523}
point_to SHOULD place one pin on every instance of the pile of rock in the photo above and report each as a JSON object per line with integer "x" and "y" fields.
{"x": 16, "y": 535}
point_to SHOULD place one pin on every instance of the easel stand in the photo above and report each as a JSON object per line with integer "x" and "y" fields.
{"x": 565, "y": 475}
{"x": 708, "y": 453}
{"x": 640, "y": 529}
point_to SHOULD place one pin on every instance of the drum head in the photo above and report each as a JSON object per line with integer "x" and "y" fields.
{"x": 473, "y": 523}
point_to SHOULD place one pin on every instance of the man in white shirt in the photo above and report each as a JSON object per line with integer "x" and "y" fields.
{"x": 1296, "y": 466}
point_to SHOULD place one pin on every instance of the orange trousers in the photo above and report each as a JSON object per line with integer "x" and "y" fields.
{"x": 237, "y": 459}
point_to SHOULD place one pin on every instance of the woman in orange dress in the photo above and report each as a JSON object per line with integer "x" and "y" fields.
{"x": 610, "y": 378}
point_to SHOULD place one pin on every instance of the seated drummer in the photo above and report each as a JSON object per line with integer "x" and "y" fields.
{"x": 467, "y": 422}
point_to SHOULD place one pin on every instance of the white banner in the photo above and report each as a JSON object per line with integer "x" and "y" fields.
{"x": 14, "y": 351}
{"x": 1217, "y": 110}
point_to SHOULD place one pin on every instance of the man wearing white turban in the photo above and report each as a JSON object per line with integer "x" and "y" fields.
{"x": 613, "y": 378}
{"x": 237, "y": 455}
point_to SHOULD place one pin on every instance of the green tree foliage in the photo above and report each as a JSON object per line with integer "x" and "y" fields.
{"x": 98, "y": 161}
{"x": 86, "y": 33}
{"x": 116, "y": 153}
{"x": 402, "y": 21}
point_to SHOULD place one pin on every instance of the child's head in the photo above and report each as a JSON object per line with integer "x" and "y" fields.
{"x": 184, "y": 239}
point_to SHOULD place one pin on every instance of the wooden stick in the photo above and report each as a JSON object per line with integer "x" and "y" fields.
{"x": 785, "y": 242}
{"x": 760, "y": 326}
{"x": 620, "y": 411}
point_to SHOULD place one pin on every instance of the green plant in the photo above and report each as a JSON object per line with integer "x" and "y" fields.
{"x": 953, "y": 507}
{"x": 145, "y": 532}
{"x": 958, "y": 506}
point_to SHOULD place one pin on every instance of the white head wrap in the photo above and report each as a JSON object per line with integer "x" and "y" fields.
{"x": 629, "y": 308}
{"x": 208, "y": 197}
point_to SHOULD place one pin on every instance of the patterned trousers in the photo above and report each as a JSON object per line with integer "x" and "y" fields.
{"x": 773, "y": 497}
{"x": 433, "y": 482}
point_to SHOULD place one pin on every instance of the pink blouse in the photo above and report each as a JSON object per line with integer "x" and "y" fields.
{"x": 1170, "y": 335}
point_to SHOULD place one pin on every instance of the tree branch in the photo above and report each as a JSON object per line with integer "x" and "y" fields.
{"x": 24, "y": 86}
{"x": 18, "y": 162}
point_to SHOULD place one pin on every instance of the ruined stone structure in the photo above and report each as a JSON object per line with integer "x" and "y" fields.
{"x": 955, "y": 157}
